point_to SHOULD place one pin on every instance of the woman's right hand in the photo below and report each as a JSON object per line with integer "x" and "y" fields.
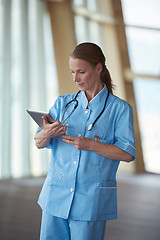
{"x": 50, "y": 130}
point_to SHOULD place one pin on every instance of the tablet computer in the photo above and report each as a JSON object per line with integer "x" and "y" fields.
{"x": 37, "y": 117}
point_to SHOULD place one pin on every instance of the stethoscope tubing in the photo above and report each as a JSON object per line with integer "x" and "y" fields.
{"x": 76, "y": 105}
{"x": 92, "y": 124}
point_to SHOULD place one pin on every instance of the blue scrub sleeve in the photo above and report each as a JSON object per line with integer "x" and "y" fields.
{"x": 124, "y": 132}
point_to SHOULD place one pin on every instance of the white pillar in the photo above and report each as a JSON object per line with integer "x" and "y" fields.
{"x": 6, "y": 89}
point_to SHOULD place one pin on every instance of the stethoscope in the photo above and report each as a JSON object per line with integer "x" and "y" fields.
{"x": 76, "y": 105}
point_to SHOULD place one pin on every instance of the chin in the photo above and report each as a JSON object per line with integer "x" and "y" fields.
{"x": 82, "y": 88}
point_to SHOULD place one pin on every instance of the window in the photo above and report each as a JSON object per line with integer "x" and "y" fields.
{"x": 143, "y": 38}
{"x": 86, "y": 27}
{"x": 144, "y": 50}
{"x": 87, "y": 30}
{"x": 26, "y": 79}
{"x": 141, "y": 13}
{"x": 148, "y": 102}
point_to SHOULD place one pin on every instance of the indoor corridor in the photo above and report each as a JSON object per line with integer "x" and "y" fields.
{"x": 138, "y": 209}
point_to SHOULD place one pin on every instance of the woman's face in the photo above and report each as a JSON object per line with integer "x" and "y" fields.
{"x": 85, "y": 75}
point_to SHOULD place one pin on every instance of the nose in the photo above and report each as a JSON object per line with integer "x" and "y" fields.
{"x": 76, "y": 77}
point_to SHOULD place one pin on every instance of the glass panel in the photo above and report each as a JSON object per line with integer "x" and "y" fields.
{"x": 1, "y": 57}
{"x": 144, "y": 50}
{"x": 50, "y": 66}
{"x": 16, "y": 77}
{"x": 148, "y": 108}
{"x": 29, "y": 48}
{"x": 79, "y": 2}
{"x": 94, "y": 32}
{"x": 92, "y": 5}
{"x": 87, "y": 30}
{"x": 81, "y": 29}
{"x": 142, "y": 12}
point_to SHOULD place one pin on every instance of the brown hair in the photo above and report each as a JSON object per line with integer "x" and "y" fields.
{"x": 93, "y": 54}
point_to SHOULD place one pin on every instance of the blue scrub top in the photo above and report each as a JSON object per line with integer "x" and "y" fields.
{"x": 81, "y": 184}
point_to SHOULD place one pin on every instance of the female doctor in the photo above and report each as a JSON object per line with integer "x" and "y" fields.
{"x": 92, "y": 133}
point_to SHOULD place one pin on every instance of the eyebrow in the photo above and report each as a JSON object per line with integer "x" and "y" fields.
{"x": 79, "y": 70}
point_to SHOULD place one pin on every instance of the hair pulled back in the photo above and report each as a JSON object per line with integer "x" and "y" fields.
{"x": 93, "y": 54}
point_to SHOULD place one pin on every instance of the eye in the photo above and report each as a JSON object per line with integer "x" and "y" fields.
{"x": 81, "y": 72}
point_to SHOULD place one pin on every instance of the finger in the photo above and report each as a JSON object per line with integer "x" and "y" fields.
{"x": 55, "y": 127}
{"x": 61, "y": 130}
{"x": 56, "y": 124}
{"x": 65, "y": 128}
{"x": 69, "y": 138}
{"x": 45, "y": 120}
{"x": 69, "y": 142}
{"x": 56, "y": 131}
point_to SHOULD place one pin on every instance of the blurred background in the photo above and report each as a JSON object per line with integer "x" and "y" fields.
{"x": 36, "y": 38}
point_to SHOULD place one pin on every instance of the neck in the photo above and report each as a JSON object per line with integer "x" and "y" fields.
{"x": 91, "y": 94}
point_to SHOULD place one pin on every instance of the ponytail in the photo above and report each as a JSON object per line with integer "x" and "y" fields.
{"x": 106, "y": 78}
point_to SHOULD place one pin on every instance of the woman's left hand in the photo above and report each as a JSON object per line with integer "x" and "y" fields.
{"x": 81, "y": 143}
{"x": 107, "y": 150}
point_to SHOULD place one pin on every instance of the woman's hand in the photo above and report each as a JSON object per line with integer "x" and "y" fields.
{"x": 107, "y": 150}
{"x": 53, "y": 130}
{"x": 49, "y": 131}
{"x": 81, "y": 143}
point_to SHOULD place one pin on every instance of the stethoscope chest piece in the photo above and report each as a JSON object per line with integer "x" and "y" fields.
{"x": 90, "y": 127}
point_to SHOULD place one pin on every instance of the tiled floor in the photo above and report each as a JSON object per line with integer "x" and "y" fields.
{"x": 138, "y": 208}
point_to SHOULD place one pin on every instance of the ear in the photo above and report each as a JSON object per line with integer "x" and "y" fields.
{"x": 99, "y": 67}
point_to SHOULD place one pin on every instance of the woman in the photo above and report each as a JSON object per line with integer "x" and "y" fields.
{"x": 89, "y": 138}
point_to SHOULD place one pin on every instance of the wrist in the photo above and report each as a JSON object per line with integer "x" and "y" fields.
{"x": 41, "y": 135}
{"x": 92, "y": 145}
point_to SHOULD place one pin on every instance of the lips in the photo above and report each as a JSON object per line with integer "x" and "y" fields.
{"x": 80, "y": 84}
